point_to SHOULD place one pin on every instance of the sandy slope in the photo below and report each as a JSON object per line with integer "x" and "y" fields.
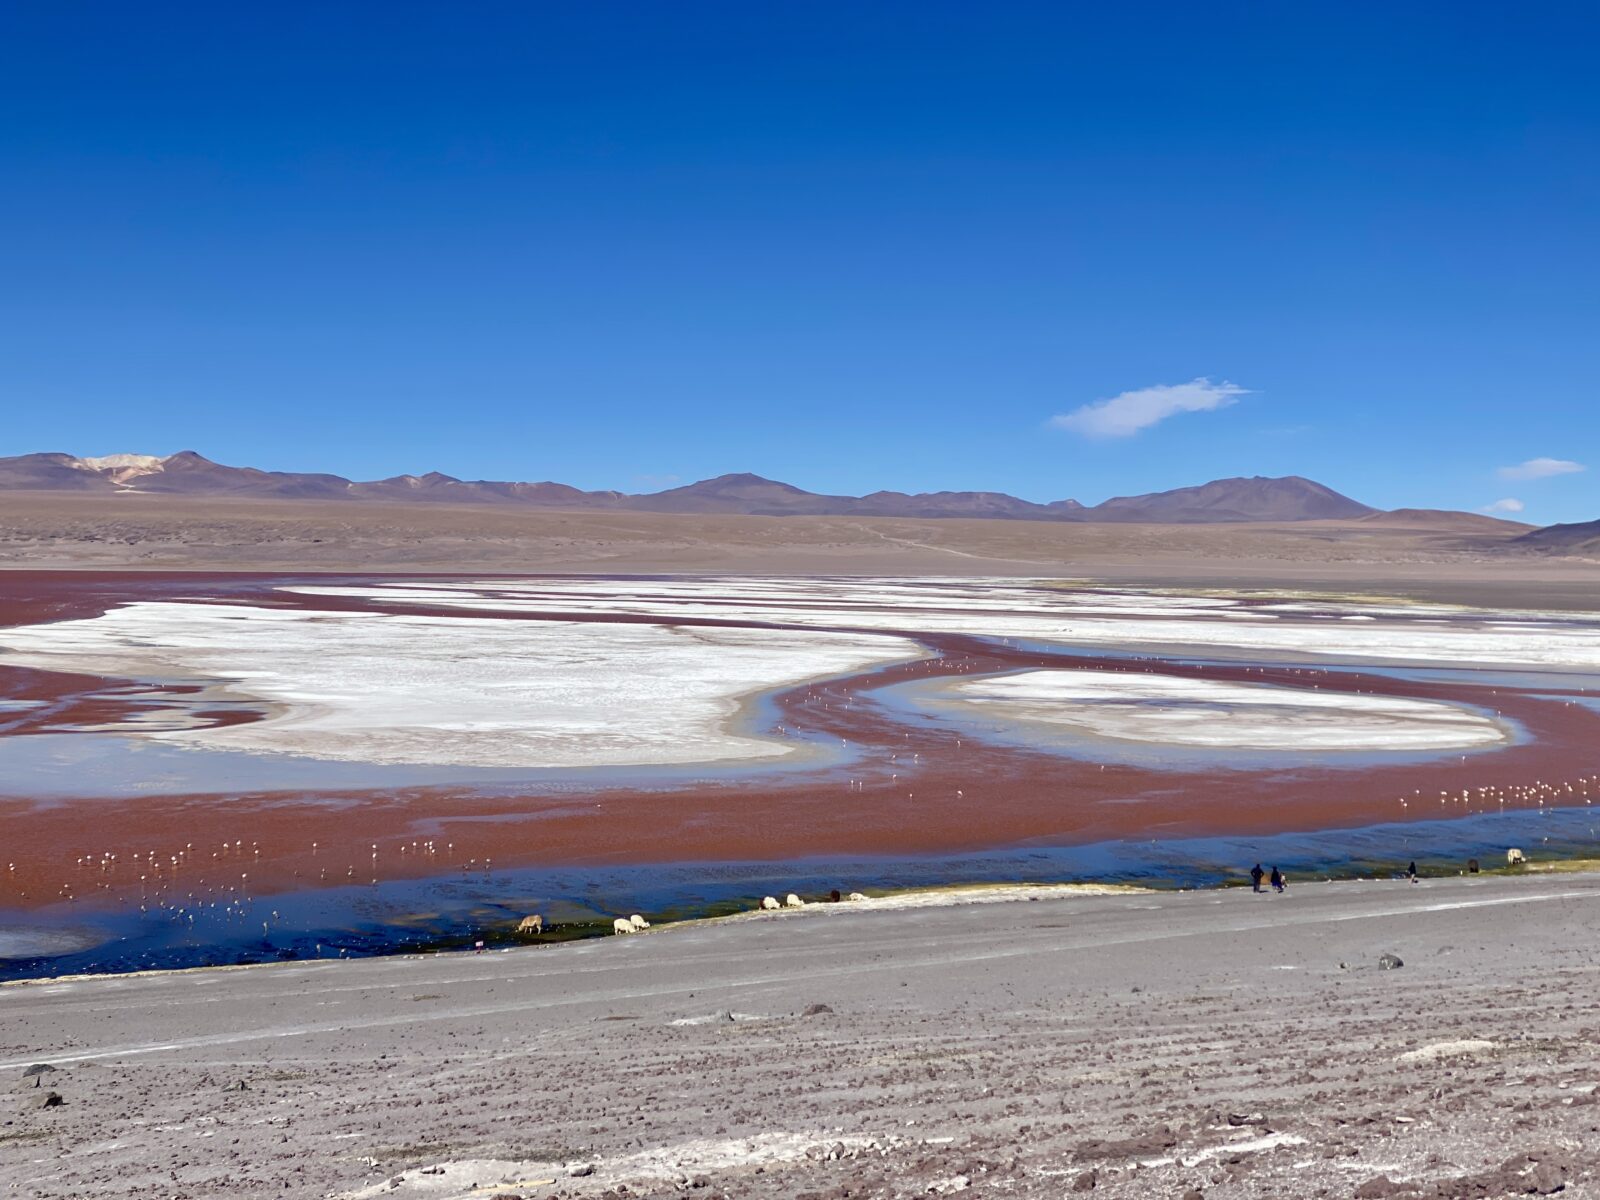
{"x": 1241, "y": 1045}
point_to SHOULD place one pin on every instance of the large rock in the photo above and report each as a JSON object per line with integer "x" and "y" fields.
{"x": 1152, "y": 1142}
{"x": 1381, "y": 1186}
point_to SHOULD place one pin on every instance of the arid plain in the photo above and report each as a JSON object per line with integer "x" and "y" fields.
{"x": 1440, "y": 556}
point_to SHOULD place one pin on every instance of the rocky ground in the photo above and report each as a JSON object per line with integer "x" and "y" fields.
{"x": 1218, "y": 1044}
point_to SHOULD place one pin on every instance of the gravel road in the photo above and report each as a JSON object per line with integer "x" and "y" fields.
{"x": 1217, "y": 1043}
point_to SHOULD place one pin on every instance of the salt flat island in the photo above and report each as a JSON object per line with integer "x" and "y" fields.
{"x": 386, "y": 688}
{"x": 218, "y": 769}
{"x": 1175, "y": 711}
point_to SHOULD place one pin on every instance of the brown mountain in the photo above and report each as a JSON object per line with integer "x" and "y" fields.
{"x": 1444, "y": 520}
{"x": 1582, "y": 538}
{"x": 1224, "y": 500}
{"x": 958, "y": 504}
{"x": 757, "y": 496}
{"x": 1291, "y": 498}
{"x": 447, "y": 489}
{"x": 191, "y": 474}
{"x": 51, "y": 473}
{"x": 740, "y": 493}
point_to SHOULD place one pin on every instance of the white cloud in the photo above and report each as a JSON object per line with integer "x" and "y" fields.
{"x": 1540, "y": 468}
{"x": 1508, "y": 505}
{"x": 1126, "y": 414}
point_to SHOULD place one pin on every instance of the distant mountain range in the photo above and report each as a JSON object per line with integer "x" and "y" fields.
{"x": 1290, "y": 498}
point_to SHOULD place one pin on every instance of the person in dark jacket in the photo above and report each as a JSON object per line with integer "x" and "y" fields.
{"x": 1278, "y": 881}
{"x": 1256, "y": 874}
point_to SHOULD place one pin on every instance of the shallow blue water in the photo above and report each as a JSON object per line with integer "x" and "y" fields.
{"x": 454, "y": 910}
{"x": 55, "y": 766}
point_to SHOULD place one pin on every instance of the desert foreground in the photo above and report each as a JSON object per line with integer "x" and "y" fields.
{"x": 1220, "y": 1044}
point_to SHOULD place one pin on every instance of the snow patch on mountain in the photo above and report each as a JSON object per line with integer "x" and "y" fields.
{"x": 122, "y": 468}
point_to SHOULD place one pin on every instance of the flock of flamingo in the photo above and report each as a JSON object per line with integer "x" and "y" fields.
{"x": 186, "y": 881}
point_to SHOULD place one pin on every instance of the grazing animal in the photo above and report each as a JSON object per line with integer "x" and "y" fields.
{"x": 1514, "y": 857}
{"x": 622, "y": 925}
{"x": 533, "y": 924}
{"x": 770, "y": 902}
{"x": 638, "y": 922}
{"x": 856, "y": 896}
{"x": 793, "y": 901}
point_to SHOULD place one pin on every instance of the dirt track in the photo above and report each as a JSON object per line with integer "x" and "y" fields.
{"x": 1239, "y": 1045}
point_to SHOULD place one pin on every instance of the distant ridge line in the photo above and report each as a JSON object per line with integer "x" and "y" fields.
{"x": 187, "y": 473}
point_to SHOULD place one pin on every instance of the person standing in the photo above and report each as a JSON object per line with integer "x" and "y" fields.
{"x": 1255, "y": 877}
{"x": 1411, "y": 871}
{"x": 1278, "y": 881}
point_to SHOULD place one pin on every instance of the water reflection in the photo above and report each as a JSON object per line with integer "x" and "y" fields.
{"x": 453, "y": 911}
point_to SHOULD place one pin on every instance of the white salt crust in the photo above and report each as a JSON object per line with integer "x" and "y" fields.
{"x": 1199, "y": 712}
{"x": 458, "y": 691}
{"x": 1016, "y": 609}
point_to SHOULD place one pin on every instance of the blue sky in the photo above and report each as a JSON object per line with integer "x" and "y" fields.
{"x": 850, "y": 246}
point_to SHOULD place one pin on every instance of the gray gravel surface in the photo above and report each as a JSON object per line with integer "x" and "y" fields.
{"x": 1220, "y": 1044}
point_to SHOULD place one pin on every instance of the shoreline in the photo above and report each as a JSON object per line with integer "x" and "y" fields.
{"x": 877, "y": 899}
{"x": 903, "y": 900}
{"x": 1150, "y": 1042}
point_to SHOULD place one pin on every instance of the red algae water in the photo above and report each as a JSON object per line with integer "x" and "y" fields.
{"x": 884, "y": 780}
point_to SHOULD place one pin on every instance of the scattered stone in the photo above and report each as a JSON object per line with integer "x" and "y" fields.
{"x": 48, "y": 1100}
{"x": 238, "y": 1085}
{"x": 1389, "y": 962}
{"x": 1194, "y": 1194}
{"x": 1087, "y": 1182}
{"x": 1547, "y": 1178}
{"x": 579, "y": 1170}
{"x": 816, "y": 1010}
{"x": 1238, "y": 1119}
